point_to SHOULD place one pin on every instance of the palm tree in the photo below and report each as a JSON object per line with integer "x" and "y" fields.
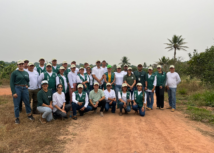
{"x": 124, "y": 61}
{"x": 164, "y": 62}
{"x": 176, "y": 43}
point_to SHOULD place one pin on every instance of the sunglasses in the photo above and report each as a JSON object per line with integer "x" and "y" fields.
{"x": 60, "y": 87}
{"x": 26, "y": 62}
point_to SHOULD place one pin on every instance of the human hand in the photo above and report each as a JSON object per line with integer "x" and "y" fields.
{"x": 80, "y": 103}
{"x": 82, "y": 109}
{"x": 160, "y": 87}
{"x": 15, "y": 95}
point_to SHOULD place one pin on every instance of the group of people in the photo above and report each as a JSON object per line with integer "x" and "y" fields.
{"x": 55, "y": 90}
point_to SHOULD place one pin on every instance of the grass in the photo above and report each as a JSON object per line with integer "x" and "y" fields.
{"x": 4, "y": 82}
{"x": 29, "y": 136}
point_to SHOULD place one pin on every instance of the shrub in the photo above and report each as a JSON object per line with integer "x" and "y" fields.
{"x": 182, "y": 91}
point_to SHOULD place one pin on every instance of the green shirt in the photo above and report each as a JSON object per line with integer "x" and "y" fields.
{"x": 161, "y": 79}
{"x": 129, "y": 79}
{"x": 141, "y": 77}
{"x": 18, "y": 78}
{"x": 96, "y": 96}
{"x": 44, "y": 97}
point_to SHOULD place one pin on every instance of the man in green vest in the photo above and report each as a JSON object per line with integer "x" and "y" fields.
{"x": 80, "y": 102}
{"x": 141, "y": 77}
{"x": 50, "y": 76}
{"x": 41, "y": 67}
{"x": 67, "y": 70}
{"x": 83, "y": 79}
{"x": 55, "y": 68}
{"x": 139, "y": 100}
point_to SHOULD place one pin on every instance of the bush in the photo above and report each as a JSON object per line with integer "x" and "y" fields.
{"x": 182, "y": 91}
{"x": 204, "y": 99}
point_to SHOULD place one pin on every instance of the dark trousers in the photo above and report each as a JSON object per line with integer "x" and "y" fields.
{"x": 58, "y": 113}
{"x": 160, "y": 96}
{"x": 67, "y": 98}
{"x": 33, "y": 95}
{"x": 101, "y": 105}
{"x": 20, "y": 105}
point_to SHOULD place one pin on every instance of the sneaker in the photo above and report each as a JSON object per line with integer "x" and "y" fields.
{"x": 169, "y": 107}
{"x": 173, "y": 110}
{"x": 120, "y": 113}
{"x": 157, "y": 107}
{"x": 31, "y": 118}
{"x": 101, "y": 114}
{"x": 17, "y": 121}
{"x": 42, "y": 120}
{"x": 74, "y": 118}
{"x": 162, "y": 108}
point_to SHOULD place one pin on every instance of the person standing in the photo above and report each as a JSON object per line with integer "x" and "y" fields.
{"x": 41, "y": 67}
{"x": 97, "y": 99}
{"x": 74, "y": 62}
{"x": 83, "y": 79}
{"x": 60, "y": 109}
{"x": 139, "y": 100}
{"x": 130, "y": 80}
{"x": 55, "y": 68}
{"x": 124, "y": 97}
{"x": 159, "y": 89}
{"x": 19, "y": 82}
{"x": 45, "y": 102}
{"x": 33, "y": 88}
{"x": 97, "y": 73}
{"x": 104, "y": 66}
{"x": 80, "y": 102}
{"x": 110, "y": 98}
{"x": 67, "y": 70}
{"x": 50, "y": 76}
{"x": 141, "y": 76}
{"x": 125, "y": 69}
{"x": 109, "y": 77}
{"x": 61, "y": 79}
{"x": 91, "y": 79}
{"x": 72, "y": 79}
{"x": 151, "y": 82}
{"x": 118, "y": 82}
{"x": 173, "y": 79}
{"x": 85, "y": 67}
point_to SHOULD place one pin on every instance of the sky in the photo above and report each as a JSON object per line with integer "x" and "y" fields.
{"x": 88, "y": 30}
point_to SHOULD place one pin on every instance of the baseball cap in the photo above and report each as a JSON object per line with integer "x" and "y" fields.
{"x": 44, "y": 82}
{"x": 64, "y": 62}
{"x": 73, "y": 66}
{"x": 26, "y": 60}
{"x": 80, "y": 86}
{"x": 118, "y": 67}
{"x": 159, "y": 66}
{"x": 108, "y": 84}
{"x": 96, "y": 83}
{"x": 97, "y": 61}
{"x": 150, "y": 68}
{"x": 124, "y": 85}
{"x": 61, "y": 68}
{"x": 172, "y": 66}
{"x": 49, "y": 64}
{"x": 54, "y": 59}
{"x": 41, "y": 58}
{"x": 81, "y": 68}
{"x": 109, "y": 66}
{"x": 139, "y": 84}
{"x": 129, "y": 68}
{"x": 30, "y": 64}
{"x": 126, "y": 65}
{"x": 20, "y": 62}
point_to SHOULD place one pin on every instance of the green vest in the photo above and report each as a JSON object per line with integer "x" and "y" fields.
{"x": 90, "y": 79}
{"x": 39, "y": 70}
{"x": 127, "y": 95}
{"x": 84, "y": 79}
{"x": 82, "y": 98}
{"x": 150, "y": 81}
{"x": 66, "y": 73}
{"x": 139, "y": 99}
{"x": 61, "y": 81}
{"x": 51, "y": 80}
{"x": 55, "y": 70}
{"x": 112, "y": 79}
{"x": 161, "y": 79}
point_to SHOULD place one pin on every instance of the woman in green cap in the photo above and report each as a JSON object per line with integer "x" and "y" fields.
{"x": 109, "y": 77}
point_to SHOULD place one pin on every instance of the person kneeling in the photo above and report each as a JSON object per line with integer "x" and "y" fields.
{"x": 80, "y": 102}
{"x": 138, "y": 97}
{"x": 60, "y": 108}
{"x": 110, "y": 98}
{"x": 44, "y": 104}
{"x": 124, "y": 97}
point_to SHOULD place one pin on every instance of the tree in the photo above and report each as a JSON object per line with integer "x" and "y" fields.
{"x": 144, "y": 65}
{"x": 164, "y": 62}
{"x": 124, "y": 61}
{"x": 176, "y": 43}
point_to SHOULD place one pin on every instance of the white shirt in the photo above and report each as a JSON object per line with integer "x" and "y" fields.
{"x": 42, "y": 76}
{"x": 91, "y": 78}
{"x": 125, "y": 72}
{"x": 138, "y": 94}
{"x": 110, "y": 94}
{"x": 123, "y": 96}
{"x": 105, "y": 69}
{"x": 85, "y": 71}
{"x": 79, "y": 80}
{"x": 42, "y": 67}
{"x": 77, "y": 70}
{"x": 65, "y": 82}
{"x": 55, "y": 67}
{"x": 24, "y": 69}
{"x": 72, "y": 78}
{"x": 58, "y": 99}
{"x": 154, "y": 83}
{"x": 119, "y": 78}
{"x": 75, "y": 101}
{"x": 98, "y": 72}
{"x": 172, "y": 79}
{"x": 33, "y": 77}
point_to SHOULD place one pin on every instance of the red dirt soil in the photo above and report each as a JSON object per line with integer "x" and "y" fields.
{"x": 5, "y": 91}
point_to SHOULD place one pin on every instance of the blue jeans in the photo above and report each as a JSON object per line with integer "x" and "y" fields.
{"x": 76, "y": 107}
{"x": 23, "y": 94}
{"x": 53, "y": 91}
{"x": 117, "y": 89}
{"x": 127, "y": 109}
{"x": 150, "y": 95}
{"x": 108, "y": 105}
{"x": 172, "y": 97}
{"x": 136, "y": 108}
{"x": 47, "y": 112}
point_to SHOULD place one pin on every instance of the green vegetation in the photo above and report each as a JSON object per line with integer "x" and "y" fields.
{"x": 5, "y": 71}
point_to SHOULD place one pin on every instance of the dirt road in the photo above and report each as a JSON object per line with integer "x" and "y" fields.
{"x": 5, "y": 91}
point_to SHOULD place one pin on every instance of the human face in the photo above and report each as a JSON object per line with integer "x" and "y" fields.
{"x": 81, "y": 71}
{"x": 45, "y": 86}
{"x": 109, "y": 69}
{"x": 139, "y": 88}
{"x": 124, "y": 89}
{"x": 73, "y": 63}
{"x": 129, "y": 71}
{"x": 150, "y": 71}
{"x": 125, "y": 68}
{"x": 59, "y": 88}
{"x": 118, "y": 70}
{"x": 21, "y": 66}
{"x": 65, "y": 65}
{"x": 96, "y": 87}
{"x": 108, "y": 87}
{"x": 172, "y": 70}
{"x": 80, "y": 90}
{"x": 88, "y": 70}
{"x": 41, "y": 62}
{"x": 49, "y": 68}
{"x": 30, "y": 68}
{"x": 54, "y": 62}
{"x": 73, "y": 69}
{"x": 61, "y": 71}
{"x": 104, "y": 63}
{"x": 159, "y": 69}
{"x": 98, "y": 64}
{"x": 140, "y": 67}
{"x": 85, "y": 65}
{"x": 26, "y": 63}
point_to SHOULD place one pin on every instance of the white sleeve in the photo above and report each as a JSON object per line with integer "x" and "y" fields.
{"x": 106, "y": 96}
{"x": 155, "y": 81}
{"x": 78, "y": 79}
{"x": 70, "y": 80}
{"x": 88, "y": 79}
{"x": 133, "y": 96}
{"x": 178, "y": 79}
{"x": 86, "y": 100}
{"x": 74, "y": 98}
{"x": 54, "y": 99}
{"x": 114, "y": 94}
{"x": 166, "y": 78}
{"x": 64, "y": 97}
{"x": 41, "y": 77}
{"x": 93, "y": 72}
{"x": 35, "y": 68}
{"x": 38, "y": 84}
{"x": 57, "y": 80}
{"x": 119, "y": 95}
{"x": 145, "y": 95}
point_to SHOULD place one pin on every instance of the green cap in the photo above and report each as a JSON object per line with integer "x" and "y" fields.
{"x": 109, "y": 66}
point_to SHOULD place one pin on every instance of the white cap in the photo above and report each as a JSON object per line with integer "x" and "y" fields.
{"x": 49, "y": 64}
{"x": 139, "y": 84}
{"x": 64, "y": 62}
{"x": 81, "y": 68}
{"x": 118, "y": 66}
{"x": 129, "y": 68}
{"x": 88, "y": 67}
{"x": 124, "y": 85}
{"x": 61, "y": 68}
{"x": 159, "y": 66}
{"x": 125, "y": 65}
{"x": 41, "y": 58}
{"x": 26, "y": 60}
{"x": 30, "y": 64}
{"x": 73, "y": 66}
{"x": 80, "y": 86}
{"x": 96, "y": 83}
{"x": 20, "y": 62}
{"x": 44, "y": 81}
{"x": 108, "y": 84}
{"x": 172, "y": 66}
{"x": 54, "y": 59}
{"x": 150, "y": 68}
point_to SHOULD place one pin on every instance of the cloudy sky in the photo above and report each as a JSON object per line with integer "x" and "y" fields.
{"x": 87, "y": 30}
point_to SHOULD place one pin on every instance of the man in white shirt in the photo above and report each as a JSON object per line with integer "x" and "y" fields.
{"x": 72, "y": 79}
{"x": 77, "y": 70}
{"x": 26, "y": 65}
{"x": 33, "y": 88}
{"x": 98, "y": 74}
{"x": 104, "y": 66}
{"x": 85, "y": 67}
{"x": 125, "y": 69}
{"x": 41, "y": 67}
{"x": 80, "y": 102}
{"x": 110, "y": 98}
{"x": 172, "y": 80}
{"x": 83, "y": 79}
